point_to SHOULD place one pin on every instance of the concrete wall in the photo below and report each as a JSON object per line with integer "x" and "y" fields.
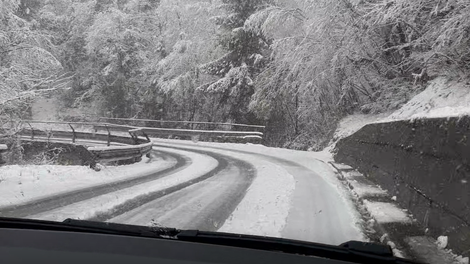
{"x": 426, "y": 164}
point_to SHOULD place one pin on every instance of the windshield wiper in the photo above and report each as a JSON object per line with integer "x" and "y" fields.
{"x": 352, "y": 251}
{"x": 73, "y": 225}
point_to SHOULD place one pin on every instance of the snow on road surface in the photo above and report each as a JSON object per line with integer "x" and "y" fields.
{"x": 264, "y": 209}
{"x": 201, "y": 206}
{"x": 294, "y": 194}
{"x": 24, "y": 183}
{"x": 319, "y": 208}
{"x": 178, "y": 209}
{"x": 104, "y": 203}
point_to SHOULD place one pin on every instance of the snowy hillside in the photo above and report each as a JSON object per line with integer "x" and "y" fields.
{"x": 441, "y": 98}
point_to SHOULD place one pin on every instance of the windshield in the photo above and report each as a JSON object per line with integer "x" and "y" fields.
{"x": 322, "y": 121}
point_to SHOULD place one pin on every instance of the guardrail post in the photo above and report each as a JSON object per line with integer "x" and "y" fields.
{"x": 73, "y": 132}
{"x": 146, "y": 136}
{"x": 109, "y": 135}
{"x": 49, "y": 135}
{"x": 32, "y": 131}
{"x": 134, "y": 137}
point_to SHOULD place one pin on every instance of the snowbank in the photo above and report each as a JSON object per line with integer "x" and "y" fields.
{"x": 386, "y": 212}
{"x": 350, "y": 124}
{"x": 20, "y": 184}
{"x": 442, "y": 98}
{"x": 367, "y": 190}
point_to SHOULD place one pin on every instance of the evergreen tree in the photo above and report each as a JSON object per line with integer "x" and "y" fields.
{"x": 242, "y": 61}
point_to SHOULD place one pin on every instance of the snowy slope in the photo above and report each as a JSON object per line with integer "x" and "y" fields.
{"x": 442, "y": 98}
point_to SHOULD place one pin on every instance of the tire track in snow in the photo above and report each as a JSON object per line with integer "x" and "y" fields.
{"x": 218, "y": 213}
{"x": 64, "y": 199}
{"x": 319, "y": 212}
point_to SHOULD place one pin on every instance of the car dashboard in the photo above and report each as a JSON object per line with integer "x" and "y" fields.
{"x": 45, "y": 246}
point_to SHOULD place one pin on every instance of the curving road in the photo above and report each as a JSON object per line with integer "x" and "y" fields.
{"x": 320, "y": 210}
{"x": 203, "y": 204}
{"x": 212, "y": 186}
{"x": 232, "y": 178}
{"x": 215, "y": 190}
{"x": 67, "y": 198}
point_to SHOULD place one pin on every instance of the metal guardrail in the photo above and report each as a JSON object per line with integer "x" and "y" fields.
{"x": 193, "y": 125}
{"x": 238, "y": 136}
{"x": 183, "y": 132}
{"x": 134, "y": 146}
{"x": 255, "y": 137}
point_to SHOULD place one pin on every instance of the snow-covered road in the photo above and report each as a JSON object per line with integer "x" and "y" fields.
{"x": 27, "y": 190}
{"x": 298, "y": 197}
{"x": 204, "y": 205}
{"x": 235, "y": 188}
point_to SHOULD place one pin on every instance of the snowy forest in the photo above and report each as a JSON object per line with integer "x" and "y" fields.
{"x": 295, "y": 66}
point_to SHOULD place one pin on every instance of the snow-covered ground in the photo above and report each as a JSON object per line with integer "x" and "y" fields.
{"x": 101, "y": 204}
{"x": 386, "y": 212}
{"x": 442, "y": 98}
{"x": 24, "y": 183}
{"x": 353, "y": 123}
{"x": 294, "y": 194}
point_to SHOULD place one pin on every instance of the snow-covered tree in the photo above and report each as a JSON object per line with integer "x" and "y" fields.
{"x": 243, "y": 59}
{"x": 106, "y": 44}
{"x": 28, "y": 64}
{"x": 331, "y": 58}
{"x": 296, "y": 65}
{"x": 187, "y": 40}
